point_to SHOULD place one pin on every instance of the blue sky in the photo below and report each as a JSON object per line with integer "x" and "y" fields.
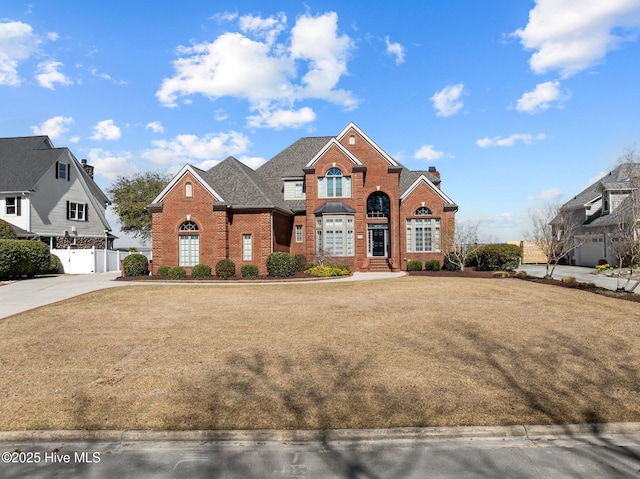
{"x": 515, "y": 102}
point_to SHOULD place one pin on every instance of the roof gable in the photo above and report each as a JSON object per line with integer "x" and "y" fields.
{"x": 422, "y": 179}
{"x": 197, "y": 175}
{"x": 25, "y": 160}
{"x": 333, "y": 143}
{"x": 352, "y": 127}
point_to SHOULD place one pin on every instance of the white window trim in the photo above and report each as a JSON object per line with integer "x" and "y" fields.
{"x": 326, "y": 229}
{"x": 435, "y": 231}
{"x": 77, "y": 211}
{"x": 247, "y": 247}
{"x": 299, "y": 234}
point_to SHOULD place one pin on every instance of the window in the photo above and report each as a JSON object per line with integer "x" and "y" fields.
{"x": 298, "y": 189}
{"x": 423, "y": 235}
{"x": 334, "y": 235}
{"x": 298, "y": 233}
{"x": 62, "y": 171}
{"x": 188, "y": 190}
{"x": 424, "y": 211}
{"x": 247, "y": 248}
{"x": 352, "y": 140}
{"x": 12, "y": 206}
{"x": 334, "y": 185}
{"x": 378, "y": 205}
{"x": 188, "y": 244}
{"x": 77, "y": 211}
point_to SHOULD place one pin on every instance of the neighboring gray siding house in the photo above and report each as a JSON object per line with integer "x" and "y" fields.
{"x": 46, "y": 193}
{"x": 601, "y": 207}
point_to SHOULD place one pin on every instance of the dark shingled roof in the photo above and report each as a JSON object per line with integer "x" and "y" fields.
{"x": 334, "y": 207}
{"x": 25, "y": 160}
{"x": 240, "y": 186}
{"x": 614, "y": 180}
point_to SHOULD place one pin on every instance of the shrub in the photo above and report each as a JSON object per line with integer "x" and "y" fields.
{"x": 328, "y": 270}
{"x": 6, "y": 231}
{"x": 521, "y": 275}
{"x": 500, "y": 274}
{"x": 55, "y": 265}
{"x": 249, "y": 271}
{"x": 432, "y": 265}
{"x": 23, "y": 258}
{"x": 225, "y": 268}
{"x": 136, "y": 265}
{"x": 495, "y": 257}
{"x": 177, "y": 272}
{"x": 163, "y": 270}
{"x": 414, "y": 265}
{"x": 281, "y": 265}
{"x": 569, "y": 280}
{"x": 301, "y": 262}
{"x": 449, "y": 265}
{"x": 200, "y": 271}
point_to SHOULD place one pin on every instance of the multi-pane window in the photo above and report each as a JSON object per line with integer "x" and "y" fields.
{"x": 188, "y": 244}
{"x": 299, "y": 234}
{"x": 62, "y": 172}
{"x": 76, "y": 211}
{"x": 247, "y": 248}
{"x": 423, "y": 211}
{"x": 12, "y": 206}
{"x": 334, "y": 185}
{"x": 423, "y": 235}
{"x": 334, "y": 235}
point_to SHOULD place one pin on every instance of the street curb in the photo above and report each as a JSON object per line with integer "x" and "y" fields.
{"x": 321, "y": 436}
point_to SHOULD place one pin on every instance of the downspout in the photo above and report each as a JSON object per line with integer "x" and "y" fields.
{"x": 271, "y": 233}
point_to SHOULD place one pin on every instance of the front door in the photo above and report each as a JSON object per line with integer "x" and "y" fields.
{"x": 378, "y": 242}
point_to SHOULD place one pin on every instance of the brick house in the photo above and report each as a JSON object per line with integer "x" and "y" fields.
{"x": 338, "y": 196}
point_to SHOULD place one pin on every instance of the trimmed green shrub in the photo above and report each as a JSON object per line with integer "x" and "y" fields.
{"x": 301, "y": 262}
{"x": 432, "y": 265}
{"x": 177, "y": 272}
{"x": 201, "y": 271}
{"x": 414, "y": 265}
{"x": 449, "y": 265}
{"x": 249, "y": 271}
{"x": 163, "y": 270}
{"x": 495, "y": 257}
{"x": 281, "y": 265}
{"x": 23, "y": 258}
{"x": 328, "y": 270}
{"x": 6, "y": 231}
{"x": 225, "y": 268}
{"x": 136, "y": 265}
{"x": 55, "y": 265}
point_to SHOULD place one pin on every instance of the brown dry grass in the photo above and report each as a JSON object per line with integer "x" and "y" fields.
{"x": 414, "y": 351}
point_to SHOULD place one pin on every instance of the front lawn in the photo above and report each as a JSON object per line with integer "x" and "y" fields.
{"x": 413, "y": 351}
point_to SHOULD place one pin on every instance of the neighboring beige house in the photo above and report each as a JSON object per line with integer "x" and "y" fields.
{"x": 47, "y": 194}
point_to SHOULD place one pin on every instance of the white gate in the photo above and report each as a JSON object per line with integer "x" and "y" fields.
{"x": 87, "y": 261}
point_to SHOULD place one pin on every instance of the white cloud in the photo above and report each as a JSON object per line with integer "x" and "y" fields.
{"x": 542, "y": 97}
{"x": 396, "y": 50}
{"x": 255, "y": 67}
{"x": 17, "y": 43}
{"x": 277, "y": 119}
{"x": 53, "y": 36}
{"x": 547, "y": 195}
{"x": 155, "y": 126}
{"x": 252, "y": 162}
{"x": 526, "y": 138}
{"x": 213, "y": 147}
{"x": 571, "y": 35}
{"x": 106, "y": 130}
{"x": 429, "y": 153}
{"x": 448, "y": 101}
{"x": 111, "y": 165}
{"x": 48, "y": 75}
{"x": 53, "y": 127}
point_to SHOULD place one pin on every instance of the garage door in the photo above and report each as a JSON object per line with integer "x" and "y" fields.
{"x": 590, "y": 252}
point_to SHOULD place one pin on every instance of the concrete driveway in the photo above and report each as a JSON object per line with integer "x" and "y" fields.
{"x": 583, "y": 275}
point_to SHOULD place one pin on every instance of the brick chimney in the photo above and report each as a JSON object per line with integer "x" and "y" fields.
{"x": 87, "y": 168}
{"x": 434, "y": 172}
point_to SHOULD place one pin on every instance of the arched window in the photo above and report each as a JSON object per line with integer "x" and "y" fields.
{"x": 334, "y": 184}
{"x": 352, "y": 140}
{"x": 188, "y": 244}
{"x": 423, "y": 211}
{"x": 378, "y": 205}
{"x": 188, "y": 190}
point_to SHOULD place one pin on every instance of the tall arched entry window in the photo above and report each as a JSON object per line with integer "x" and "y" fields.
{"x": 378, "y": 214}
{"x": 188, "y": 244}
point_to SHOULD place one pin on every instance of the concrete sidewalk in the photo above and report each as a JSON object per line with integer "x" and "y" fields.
{"x": 581, "y": 274}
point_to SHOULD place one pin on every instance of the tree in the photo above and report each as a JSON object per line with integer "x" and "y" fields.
{"x": 462, "y": 243}
{"x": 130, "y": 196}
{"x": 6, "y": 231}
{"x": 555, "y": 231}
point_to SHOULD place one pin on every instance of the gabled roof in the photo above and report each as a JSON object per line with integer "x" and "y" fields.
{"x": 614, "y": 180}
{"x": 335, "y": 143}
{"x": 423, "y": 179}
{"x": 352, "y": 126}
{"x": 25, "y": 160}
{"x": 290, "y": 162}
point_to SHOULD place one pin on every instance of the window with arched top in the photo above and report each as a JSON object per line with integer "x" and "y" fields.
{"x": 378, "y": 205}
{"x": 423, "y": 211}
{"x": 352, "y": 140}
{"x": 188, "y": 190}
{"x": 334, "y": 184}
{"x": 188, "y": 244}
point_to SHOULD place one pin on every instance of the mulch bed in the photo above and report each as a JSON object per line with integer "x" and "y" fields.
{"x": 298, "y": 276}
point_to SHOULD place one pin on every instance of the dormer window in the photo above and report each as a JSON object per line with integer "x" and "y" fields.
{"x": 334, "y": 185}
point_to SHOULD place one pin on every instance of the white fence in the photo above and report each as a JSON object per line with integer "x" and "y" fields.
{"x": 88, "y": 261}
